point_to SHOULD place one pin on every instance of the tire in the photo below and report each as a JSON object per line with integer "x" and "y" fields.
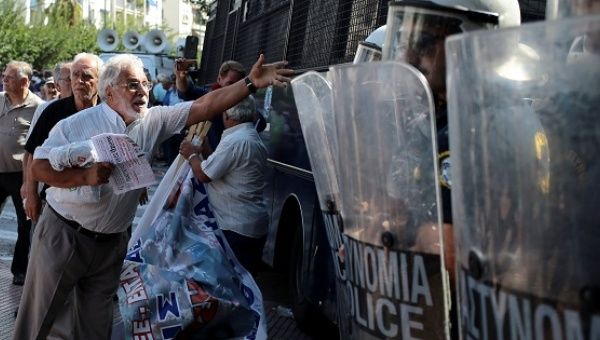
{"x": 308, "y": 317}
{"x": 300, "y": 305}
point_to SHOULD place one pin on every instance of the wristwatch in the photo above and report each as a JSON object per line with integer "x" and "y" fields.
{"x": 250, "y": 85}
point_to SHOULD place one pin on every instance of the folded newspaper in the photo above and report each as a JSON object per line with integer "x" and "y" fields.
{"x": 131, "y": 168}
{"x": 180, "y": 277}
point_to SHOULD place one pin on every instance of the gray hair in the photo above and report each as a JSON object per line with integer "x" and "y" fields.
{"x": 83, "y": 55}
{"x": 112, "y": 69}
{"x": 24, "y": 70}
{"x": 59, "y": 66}
{"x": 244, "y": 111}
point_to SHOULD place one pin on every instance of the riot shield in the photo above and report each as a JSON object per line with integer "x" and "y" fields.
{"x": 525, "y": 190}
{"x": 386, "y": 174}
{"x": 312, "y": 93}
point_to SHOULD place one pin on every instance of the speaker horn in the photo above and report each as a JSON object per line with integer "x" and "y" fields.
{"x": 155, "y": 41}
{"x": 107, "y": 40}
{"x": 132, "y": 40}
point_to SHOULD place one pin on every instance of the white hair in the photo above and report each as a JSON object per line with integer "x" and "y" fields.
{"x": 243, "y": 111}
{"x": 83, "y": 55}
{"x": 112, "y": 69}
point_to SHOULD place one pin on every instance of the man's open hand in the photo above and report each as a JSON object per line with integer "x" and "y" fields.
{"x": 263, "y": 75}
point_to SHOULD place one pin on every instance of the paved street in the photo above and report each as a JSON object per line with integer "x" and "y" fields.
{"x": 280, "y": 324}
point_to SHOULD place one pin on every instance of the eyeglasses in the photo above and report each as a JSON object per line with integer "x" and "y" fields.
{"x": 135, "y": 85}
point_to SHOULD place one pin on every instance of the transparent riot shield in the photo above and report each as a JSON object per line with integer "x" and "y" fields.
{"x": 385, "y": 165}
{"x": 526, "y": 168}
{"x": 312, "y": 93}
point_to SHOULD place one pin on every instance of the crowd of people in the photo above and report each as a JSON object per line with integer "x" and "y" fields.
{"x": 70, "y": 262}
{"x": 73, "y": 230}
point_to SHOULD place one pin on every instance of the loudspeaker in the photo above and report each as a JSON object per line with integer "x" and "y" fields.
{"x": 132, "y": 40}
{"x": 107, "y": 40}
{"x": 155, "y": 41}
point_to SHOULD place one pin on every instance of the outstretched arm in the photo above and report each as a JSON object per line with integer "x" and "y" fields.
{"x": 215, "y": 102}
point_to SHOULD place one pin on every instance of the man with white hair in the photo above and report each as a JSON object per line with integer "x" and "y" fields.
{"x": 234, "y": 174}
{"x": 17, "y": 105}
{"x": 82, "y": 94}
{"x": 81, "y": 239}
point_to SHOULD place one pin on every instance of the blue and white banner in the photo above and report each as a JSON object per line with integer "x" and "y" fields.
{"x": 181, "y": 276}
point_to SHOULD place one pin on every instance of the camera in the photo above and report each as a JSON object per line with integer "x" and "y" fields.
{"x": 186, "y": 64}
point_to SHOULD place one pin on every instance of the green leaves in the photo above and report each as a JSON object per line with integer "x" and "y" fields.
{"x": 55, "y": 34}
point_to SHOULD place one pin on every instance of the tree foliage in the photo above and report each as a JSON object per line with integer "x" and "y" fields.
{"x": 56, "y": 34}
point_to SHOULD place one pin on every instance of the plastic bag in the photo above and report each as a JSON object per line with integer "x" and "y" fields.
{"x": 181, "y": 276}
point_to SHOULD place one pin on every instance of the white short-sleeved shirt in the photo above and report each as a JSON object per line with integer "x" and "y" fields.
{"x": 236, "y": 169}
{"x": 107, "y": 212}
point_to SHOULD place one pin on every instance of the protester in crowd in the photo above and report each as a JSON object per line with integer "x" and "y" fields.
{"x": 62, "y": 74}
{"x": 17, "y": 105}
{"x": 49, "y": 90}
{"x": 151, "y": 99}
{"x": 36, "y": 82}
{"x": 85, "y": 224}
{"x": 158, "y": 90}
{"x": 171, "y": 96}
{"x": 84, "y": 71}
{"x": 234, "y": 177}
{"x": 230, "y": 72}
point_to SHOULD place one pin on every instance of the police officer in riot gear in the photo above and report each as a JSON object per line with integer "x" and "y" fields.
{"x": 417, "y": 31}
{"x": 416, "y": 34}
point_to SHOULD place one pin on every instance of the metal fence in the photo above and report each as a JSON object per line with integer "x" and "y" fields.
{"x": 310, "y": 34}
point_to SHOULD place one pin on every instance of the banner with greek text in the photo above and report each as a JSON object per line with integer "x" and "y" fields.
{"x": 181, "y": 277}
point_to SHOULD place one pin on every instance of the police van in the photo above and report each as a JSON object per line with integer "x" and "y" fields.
{"x": 311, "y": 36}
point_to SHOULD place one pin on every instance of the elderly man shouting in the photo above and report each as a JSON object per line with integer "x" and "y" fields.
{"x": 81, "y": 240}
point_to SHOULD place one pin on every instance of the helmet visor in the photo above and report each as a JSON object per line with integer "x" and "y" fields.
{"x": 415, "y": 27}
{"x": 367, "y": 52}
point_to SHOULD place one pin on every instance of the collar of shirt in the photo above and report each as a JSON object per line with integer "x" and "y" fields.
{"x": 31, "y": 100}
{"x": 241, "y": 126}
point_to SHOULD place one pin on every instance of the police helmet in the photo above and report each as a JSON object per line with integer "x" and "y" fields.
{"x": 557, "y": 9}
{"x": 417, "y": 24}
{"x": 370, "y": 49}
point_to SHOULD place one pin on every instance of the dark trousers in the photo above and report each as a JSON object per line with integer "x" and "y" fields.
{"x": 248, "y": 250}
{"x": 10, "y": 185}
